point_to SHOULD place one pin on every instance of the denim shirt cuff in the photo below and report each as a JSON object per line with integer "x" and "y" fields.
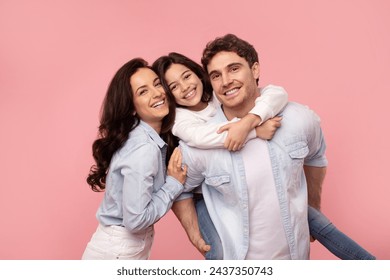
{"x": 318, "y": 162}
{"x": 184, "y": 195}
{"x": 173, "y": 186}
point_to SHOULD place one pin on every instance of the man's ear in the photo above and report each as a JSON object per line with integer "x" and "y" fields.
{"x": 256, "y": 70}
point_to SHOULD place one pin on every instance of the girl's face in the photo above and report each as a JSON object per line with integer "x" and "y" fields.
{"x": 149, "y": 97}
{"x": 185, "y": 86}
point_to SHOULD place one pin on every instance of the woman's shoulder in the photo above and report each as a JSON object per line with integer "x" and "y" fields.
{"x": 138, "y": 140}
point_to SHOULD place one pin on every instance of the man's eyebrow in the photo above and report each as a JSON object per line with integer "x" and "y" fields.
{"x": 212, "y": 72}
{"x": 234, "y": 64}
{"x": 227, "y": 66}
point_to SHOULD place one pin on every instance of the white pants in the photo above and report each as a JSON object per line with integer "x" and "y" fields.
{"x": 115, "y": 242}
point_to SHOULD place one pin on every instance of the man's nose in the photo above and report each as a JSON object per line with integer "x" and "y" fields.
{"x": 226, "y": 79}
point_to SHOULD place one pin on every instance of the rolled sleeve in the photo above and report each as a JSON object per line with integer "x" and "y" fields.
{"x": 316, "y": 142}
{"x": 173, "y": 186}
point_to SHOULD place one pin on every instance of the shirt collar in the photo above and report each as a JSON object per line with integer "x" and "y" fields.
{"x": 153, "y": 134}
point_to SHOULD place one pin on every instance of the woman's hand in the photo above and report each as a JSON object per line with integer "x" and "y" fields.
{"x": 175, "y": 168}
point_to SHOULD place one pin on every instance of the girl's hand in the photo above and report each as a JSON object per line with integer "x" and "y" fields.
{"x": 267, "y": 129}
{"x": 237, "y": 134}
{"x": 238, "y": 131}
{"x": 175, "y": 168}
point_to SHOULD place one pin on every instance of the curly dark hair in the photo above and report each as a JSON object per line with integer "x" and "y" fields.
{"x": 117, "y": 120}
{"x": 229, "y": 43}
{"x": 163, "y": 63}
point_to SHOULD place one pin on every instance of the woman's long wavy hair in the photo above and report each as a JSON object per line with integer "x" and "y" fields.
{"x": 118, "y": 119}
{"x": 163, "y": 63}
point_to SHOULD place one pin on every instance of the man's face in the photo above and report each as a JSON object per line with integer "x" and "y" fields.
{"x": 233, "y": 81}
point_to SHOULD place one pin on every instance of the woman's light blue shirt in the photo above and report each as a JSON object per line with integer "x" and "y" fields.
{"x": 138, "y": 193}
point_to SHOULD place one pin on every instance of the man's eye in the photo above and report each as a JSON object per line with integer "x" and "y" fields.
{"x": 215, "y": 76}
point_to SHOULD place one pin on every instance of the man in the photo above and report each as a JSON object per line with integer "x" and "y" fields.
{"x": 257, "y": 198}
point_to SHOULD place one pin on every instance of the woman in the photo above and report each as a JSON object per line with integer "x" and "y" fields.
{"x": 181, "y": 78}
{"x": 130, "y": 154}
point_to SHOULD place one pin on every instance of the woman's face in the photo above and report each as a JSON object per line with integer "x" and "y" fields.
{"x": 149, "y": 97}
{"x": 185, "y": 86}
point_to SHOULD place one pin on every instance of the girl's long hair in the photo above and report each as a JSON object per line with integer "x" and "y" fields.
{"x": 163, "y": 63}
{"x": 117, "y": 120}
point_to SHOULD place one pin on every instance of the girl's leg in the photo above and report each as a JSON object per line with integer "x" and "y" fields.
{"x": 333, "y": 239}
{"x": 208, "y": 231}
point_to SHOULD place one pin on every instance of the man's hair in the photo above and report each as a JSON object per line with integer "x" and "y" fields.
{"x": 229, "y": 43}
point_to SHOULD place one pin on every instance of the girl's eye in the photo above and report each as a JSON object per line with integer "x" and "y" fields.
{"x": 173, "y": 87}
{"x": 186, "y": 77}
{"x": 158, "y": 84}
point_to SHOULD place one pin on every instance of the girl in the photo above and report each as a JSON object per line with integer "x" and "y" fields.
{"x": 130, "y": 154}
{"x": 192, "y": 91}
{"x": 189, "y": 84}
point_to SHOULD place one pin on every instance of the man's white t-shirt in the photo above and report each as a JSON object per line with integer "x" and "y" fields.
{"x": 267, "y": 239}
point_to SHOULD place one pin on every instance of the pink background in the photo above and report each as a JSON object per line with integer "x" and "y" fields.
{"x": 57, "y": 58}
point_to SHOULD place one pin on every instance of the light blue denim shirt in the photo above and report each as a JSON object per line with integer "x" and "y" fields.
{"x": 298, "y": 142}
{"x": 137, "y": 192}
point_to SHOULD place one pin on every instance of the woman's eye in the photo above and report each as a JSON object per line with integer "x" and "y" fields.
{"x": 186, "y": 77}
{"x": 172, "y": 88}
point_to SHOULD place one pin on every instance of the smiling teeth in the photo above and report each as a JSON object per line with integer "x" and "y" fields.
{"x": 229, "y": 92}
{"x": 189, "y": 94}
{"x": 158, "y": 103}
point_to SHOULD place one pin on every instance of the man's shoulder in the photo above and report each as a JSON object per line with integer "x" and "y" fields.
{"x": 296, "y": 106}
{"x": 298, "y": 119}
{"x": 296, "y": 109}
